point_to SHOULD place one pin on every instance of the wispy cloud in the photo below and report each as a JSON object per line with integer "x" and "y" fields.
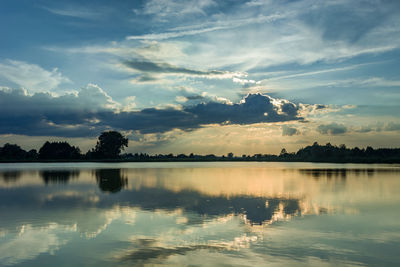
{"x": 173, "y": 34}
{"x": 31, "y": 76}
{"x": 165, "y": 68}
{"x": 164, "y": 9}
{"x": 206, "y": 27}
{"x": 312, "y": 73}
{"x": 77, "y": 12}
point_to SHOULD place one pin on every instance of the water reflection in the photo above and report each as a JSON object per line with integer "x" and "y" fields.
{"x": 58, "y": 176}
{"x": 111, "y": 180}
{"x": 200, "y": 216}
{"x": 257, "y": 210}
{"x": 10, "y": 176}
{"x": 344, "y": 172}
{"x": 146, "y": 250}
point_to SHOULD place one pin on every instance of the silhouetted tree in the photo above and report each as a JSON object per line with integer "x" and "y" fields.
{"x": 32, "y": 154}
{"x": 110, "y": 144}
{"x": 9, "y": 152}
{"x": 59, "y": 150}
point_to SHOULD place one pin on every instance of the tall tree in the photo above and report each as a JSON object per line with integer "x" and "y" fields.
{"x": 110, "y": 144}
{"x": 10, "y": 152}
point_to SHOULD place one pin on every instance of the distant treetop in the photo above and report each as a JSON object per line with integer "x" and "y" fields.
{"x": 59, "y": 150}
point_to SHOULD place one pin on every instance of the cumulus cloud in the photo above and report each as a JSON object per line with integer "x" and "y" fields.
{"x": 41, "y": 114}
{"x": 289, "y": 131}
{"x": 332, "y": 129}
{"x": 191, "y": 97}
{"x": 91, "y": 111}
{"x": 31, "y": 76}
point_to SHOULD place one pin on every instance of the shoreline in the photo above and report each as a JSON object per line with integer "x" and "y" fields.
{"x": 188, "y": 160}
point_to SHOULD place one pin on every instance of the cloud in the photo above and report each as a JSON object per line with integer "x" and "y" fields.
{"x": 145, "y": 79}
{"x": 149, "y": 67}
{"x": 338, "y": 22}
{"x": 91, "y": 111}
{"x": 42, "y": 114}
{"x": 245, "y": 82}
{"x": 289, "y": 131}
{"x": 332, "y": 129}
{"x": 273, "y": 33}
{"x": 216, "y": 22}
{"x": 173, "y": 34}
{"x": 31, "y": 76}
{"x": 164, "y": 9}
{"x": 392, "y": 126}
{"x": 77, "y": 12}
{"x": 191, "y": 97}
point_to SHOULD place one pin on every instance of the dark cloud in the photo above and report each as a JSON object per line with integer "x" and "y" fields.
{"x": 289, "y": 131}
{"x": 41, "y": 114}
{"x": 332, "y": 129}
{"x": 366, "y": 129}
{"x": 91, "y": 111}
{"x": 392, "y": 126}
{"x": 154, "y": 67}
{"x": 378, "y": 127}
{"x": 146, "y": 78}
{"x": 255, "y": 108}
{"x": 195, "y": 97}
{"x": 319, "y": 106}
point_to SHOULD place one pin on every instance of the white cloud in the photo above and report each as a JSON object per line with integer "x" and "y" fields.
{"x": 244, "y": 81}
{"x": 31, "y": 76}
{"x": 94, "y": 97}
{"x": 173, "y": 34}
{"x": 224, "y": 24}
{"x": 164, "y": 9}
{"x": 77, "y": 12}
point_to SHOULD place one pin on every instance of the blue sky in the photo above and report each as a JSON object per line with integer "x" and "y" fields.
{"x": 201, "y": 76}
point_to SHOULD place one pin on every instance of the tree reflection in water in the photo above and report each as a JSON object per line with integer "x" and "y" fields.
{"x": 11, "y": 176}
{"x": 111, "y": 180}
{"x": 58, "y": 176}
{"x": 257, "y": 210}
{"x": 344, "y": 172}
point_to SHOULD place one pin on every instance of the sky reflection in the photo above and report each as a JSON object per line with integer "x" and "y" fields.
{"x": 168, "y": 215}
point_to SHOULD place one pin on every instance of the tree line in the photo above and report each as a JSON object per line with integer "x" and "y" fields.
{"x": 110, "y": 144}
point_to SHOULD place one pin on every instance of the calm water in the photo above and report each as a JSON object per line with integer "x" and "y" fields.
{"x": 190, "y": 214}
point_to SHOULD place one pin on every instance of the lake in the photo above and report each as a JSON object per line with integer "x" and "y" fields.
{"x": 192, "y": 214}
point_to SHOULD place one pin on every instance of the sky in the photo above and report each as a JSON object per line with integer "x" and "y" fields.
{"x": 201, "y": 76}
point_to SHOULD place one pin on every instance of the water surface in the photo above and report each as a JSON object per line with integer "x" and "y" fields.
{"x": 189, "y": 214}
